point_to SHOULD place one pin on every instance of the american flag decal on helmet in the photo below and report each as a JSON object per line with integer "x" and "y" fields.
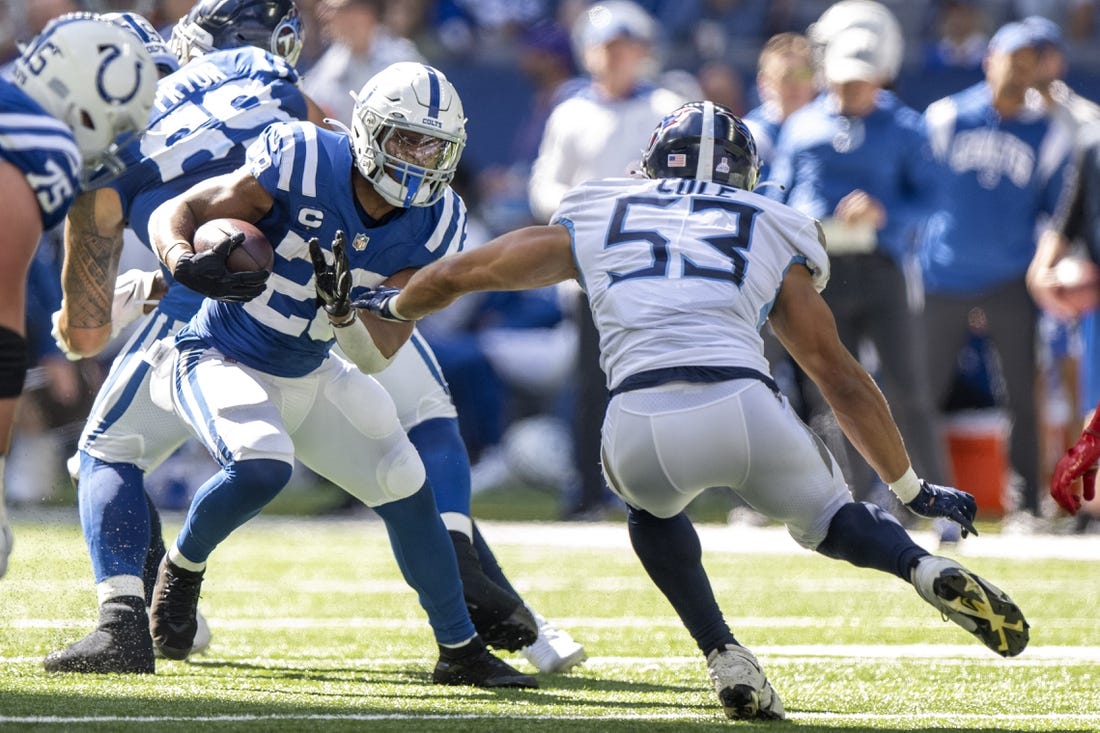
{"x": 676, "y": 160}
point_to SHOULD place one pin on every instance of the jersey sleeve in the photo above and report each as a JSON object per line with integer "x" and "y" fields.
{"x": 272, "y": 158}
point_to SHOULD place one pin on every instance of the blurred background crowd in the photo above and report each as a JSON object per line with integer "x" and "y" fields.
{"x": 540, "y": 80}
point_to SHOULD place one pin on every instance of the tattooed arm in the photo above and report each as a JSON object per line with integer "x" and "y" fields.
{"x": 93, "y": 245}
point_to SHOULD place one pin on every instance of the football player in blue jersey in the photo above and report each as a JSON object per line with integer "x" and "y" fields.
{"x": 681, "y": 269}
{"x": 127, "y": 436}
{"x": 75, "y": 88}
{"x": 198, "y": 128}
{"x": 262, "y": 387}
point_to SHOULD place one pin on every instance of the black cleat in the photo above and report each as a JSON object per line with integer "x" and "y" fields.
{"x": 120, "y": 644}
{"x": 973, "y": 603}
{"x": 500, "y": 617}
{"x": 172, "y": 615}
{"x": 473, "y": 664}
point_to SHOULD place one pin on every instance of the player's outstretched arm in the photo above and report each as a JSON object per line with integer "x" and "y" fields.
{"x": 172, "y": 229}
{"x": 803, "y": 322}
{"x": 524, "y": 259}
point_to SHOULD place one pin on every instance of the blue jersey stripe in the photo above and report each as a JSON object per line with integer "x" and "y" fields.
{"x": 157, "y": 328}
{"x": 429, "y": 360}
{"x": 433, "y": 93}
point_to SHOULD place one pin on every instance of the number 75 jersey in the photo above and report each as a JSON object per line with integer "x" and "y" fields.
{"x": 680, "y": 272}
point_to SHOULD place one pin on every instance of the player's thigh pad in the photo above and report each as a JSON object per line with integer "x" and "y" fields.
{"x": 664, "y": 446}
{"x": 416, "y": 384}
{"x": 235, "y": 411}
{"x": 124, "y": 426}
{"x": 352, "y": 437}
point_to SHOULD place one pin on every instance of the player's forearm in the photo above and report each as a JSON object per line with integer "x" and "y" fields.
{"x": 87, "y": 278}
{"x": 532, "y": 257}
{"x": 172, "y": 231}
{"x": 864, "y": 416}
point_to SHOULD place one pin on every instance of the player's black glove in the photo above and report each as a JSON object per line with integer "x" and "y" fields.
{"x": 944, "y": 501}
{"x": 378, "y": 301}
{"x": 333, "y": 281}
{"x": 207, "y": 274}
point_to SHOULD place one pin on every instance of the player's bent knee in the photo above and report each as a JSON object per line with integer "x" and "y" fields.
{"x": 400, "y": 473}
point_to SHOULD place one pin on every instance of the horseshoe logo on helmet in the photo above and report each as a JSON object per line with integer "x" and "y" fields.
{"x": 108, "y": 54}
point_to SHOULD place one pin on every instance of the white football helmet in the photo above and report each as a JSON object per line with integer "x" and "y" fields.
{"x": 867, "y": 14}
{"x": 407, "y": 133}
{"x": 96, "y": 78}
{"x": 152, "y": 40}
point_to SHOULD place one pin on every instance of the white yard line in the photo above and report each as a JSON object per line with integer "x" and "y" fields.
{"x": 775, "y": 540}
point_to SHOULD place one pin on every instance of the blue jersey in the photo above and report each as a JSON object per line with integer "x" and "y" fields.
{"x": 822, "y": 156}
{"x": 43, "y": 148}
{"x": 997, "y": 178}
{"x": 764, "y": 124}
{"x": 308, "y": 171}
{"x": 204, "y": 118}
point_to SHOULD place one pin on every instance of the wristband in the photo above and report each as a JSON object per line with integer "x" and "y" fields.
{"x": 392, "y": 312}
{"x": 346, "y": 322}
{"x": 178, "y": 243}
{"x": 907, "y": 487}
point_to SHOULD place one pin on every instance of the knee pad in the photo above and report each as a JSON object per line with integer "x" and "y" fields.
{"x": 13, "y": 363}
{"x": 400, "y": 473}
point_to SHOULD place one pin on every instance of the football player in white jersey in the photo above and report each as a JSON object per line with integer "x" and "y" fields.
{"x": 256, "y": 381}
{"x": 75, "y": 88}
{"x": 681, "y": 271}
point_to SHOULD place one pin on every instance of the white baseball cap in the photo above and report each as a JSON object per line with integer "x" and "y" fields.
{"x": 853, "y": 55}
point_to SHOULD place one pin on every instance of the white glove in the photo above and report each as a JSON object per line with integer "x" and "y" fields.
{"x": 132, "y": 291}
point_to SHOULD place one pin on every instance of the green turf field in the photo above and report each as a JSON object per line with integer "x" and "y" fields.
{"x": 314, "y": 630}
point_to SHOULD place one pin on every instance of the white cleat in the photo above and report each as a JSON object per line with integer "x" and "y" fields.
{"x": 973, "y": 603}
{"x": 742, "y": 688}
{"x": 202, "y": 637}
{"x": 555, "y": 650}
{"x": 6, "y": 542}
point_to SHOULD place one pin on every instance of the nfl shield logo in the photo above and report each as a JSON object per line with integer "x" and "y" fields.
{"x": 360, "y": 242}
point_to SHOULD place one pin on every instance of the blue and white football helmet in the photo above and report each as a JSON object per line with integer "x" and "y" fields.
{"x": 218, "y": 25}
{"x": 407, "y": 133}
{"x": 96, "y": 78}
{"x": 704, "y": 141}
{"x": 137, "y": 24}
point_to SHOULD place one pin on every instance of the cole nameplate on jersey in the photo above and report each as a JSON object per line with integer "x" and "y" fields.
{"x": 360, "y": 242}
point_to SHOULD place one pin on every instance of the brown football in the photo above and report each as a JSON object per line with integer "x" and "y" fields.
{"x": 254, "y": 254}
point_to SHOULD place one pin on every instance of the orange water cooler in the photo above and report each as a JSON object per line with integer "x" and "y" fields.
{"x": 977, "y": 445}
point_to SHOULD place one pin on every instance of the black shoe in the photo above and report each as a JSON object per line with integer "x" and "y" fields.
{"x": 172, "y": 615}
{"x": 500, "y": 617}
{"x": 120, "y": 644}
{"x": 474, "y": 665}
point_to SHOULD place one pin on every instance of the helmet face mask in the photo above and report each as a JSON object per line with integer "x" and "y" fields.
{"x": 407, "y": 133}
{"x": 218, "y": 25}
{"x": 704, "y": 141}
{"x": 98, "y": 79}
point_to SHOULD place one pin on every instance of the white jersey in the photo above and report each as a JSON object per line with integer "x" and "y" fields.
{"x": 681, "y": 273}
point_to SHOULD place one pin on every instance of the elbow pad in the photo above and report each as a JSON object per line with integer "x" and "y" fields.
{"x": 358, "y": 346}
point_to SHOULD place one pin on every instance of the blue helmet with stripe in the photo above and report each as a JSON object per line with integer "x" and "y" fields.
{"x": 704, "y": 141}
{"x": 407, "y": 133}
{"x": 218, "y": 25}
